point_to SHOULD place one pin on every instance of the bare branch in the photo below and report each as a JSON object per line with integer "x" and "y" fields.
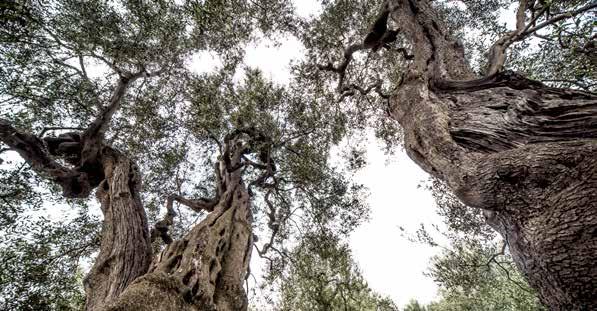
{"x": 341, "y": 68}
{"x": 379, "y": 36}
{"x": 518, "y": 284}
{"x": 100, "y": 124}
{"x": 500, "y": 253}
{"x": 497, "y": 53}
{"x": 376, "y": 87}
{"x": 559, "y": 18}
{"x": 197, "y": 205}
{"x": 272, "y": 223}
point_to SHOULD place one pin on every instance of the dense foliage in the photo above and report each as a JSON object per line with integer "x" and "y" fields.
{"x": 324, "y": 276}
{"x": 60, "y": 62}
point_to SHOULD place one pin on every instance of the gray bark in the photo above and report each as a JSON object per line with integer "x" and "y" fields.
{"x": 206, "y": 269}
{"x": 125, "y": 248}
{"x": 521, "y": 151}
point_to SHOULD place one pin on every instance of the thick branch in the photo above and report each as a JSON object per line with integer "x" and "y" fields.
{"x": 34, "y": 151}
{"x": 341, "y": 68}
{"x": 499, "y": 79}
{"x": 497, "y": 53}
{"x": 197, "y": 205}
{"x": 99, "y": 125}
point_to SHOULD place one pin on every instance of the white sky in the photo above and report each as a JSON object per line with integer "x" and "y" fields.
{"x": 391, "y": 264}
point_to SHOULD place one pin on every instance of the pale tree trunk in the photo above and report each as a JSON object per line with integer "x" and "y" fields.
{"x": 524, "y": 153}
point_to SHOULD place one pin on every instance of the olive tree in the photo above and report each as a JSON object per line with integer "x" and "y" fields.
{"x": 100, "y": 96}
{"x": 519, "y": 150}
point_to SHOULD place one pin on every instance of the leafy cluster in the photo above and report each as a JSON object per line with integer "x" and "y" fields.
{"x": 325, "y": 277}
{"x": 42, "y": 263}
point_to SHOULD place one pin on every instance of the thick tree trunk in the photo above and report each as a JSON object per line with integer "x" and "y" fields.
{"x": 523, "y": 152}
{"x": 125, "y": 249}
{"x": 203, "y": 271}
{"x": 207, "y": 268}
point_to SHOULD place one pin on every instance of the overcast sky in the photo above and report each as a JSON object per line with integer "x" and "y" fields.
{"x": 391, "y": 264}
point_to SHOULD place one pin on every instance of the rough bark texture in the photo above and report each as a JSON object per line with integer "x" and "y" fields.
{"x": 523, "y": 152}
{"x": 125, "y": 249}
{"x": 206, "y": 269}
{"x": 203, "y": 271}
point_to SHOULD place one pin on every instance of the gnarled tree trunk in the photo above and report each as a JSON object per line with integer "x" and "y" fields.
{"x": 203, "y": 271}
{"x": 206, "y": 269}
{"x": 524, "y": 153}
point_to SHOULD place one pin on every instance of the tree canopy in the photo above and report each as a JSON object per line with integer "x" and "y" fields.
{"x": 85, "y": 84}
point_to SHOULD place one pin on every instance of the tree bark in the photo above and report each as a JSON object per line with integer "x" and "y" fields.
{"x": 521, "y": 151}
{"x": 203, "y": 271}
{"x": 206, "y": 269}
{"x": 125, "y": 248}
